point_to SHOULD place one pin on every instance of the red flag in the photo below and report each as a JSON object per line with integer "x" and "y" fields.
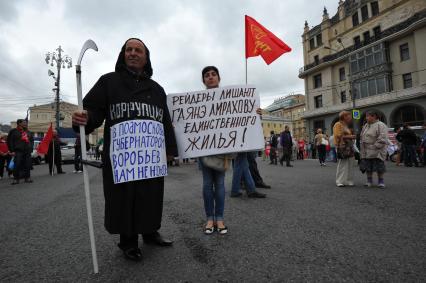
{"x": 43, "y": 147}
{"x": 260, "y": 41}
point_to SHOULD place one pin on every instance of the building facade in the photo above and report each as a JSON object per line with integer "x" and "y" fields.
{"x": 291, "y": 108}
{"x": 369, "y": 55}
{"x": 274, "y": 123}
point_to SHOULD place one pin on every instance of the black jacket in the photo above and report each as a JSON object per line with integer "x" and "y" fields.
{"x": 407, "y": 137}
{"x": 131, "y": 207}
{"x": 16, "y": 144}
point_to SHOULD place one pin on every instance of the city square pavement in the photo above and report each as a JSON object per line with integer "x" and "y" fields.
{"x": 306, "y": 229}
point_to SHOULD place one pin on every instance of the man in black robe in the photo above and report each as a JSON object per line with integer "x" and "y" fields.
{"x": 129, "y": 94}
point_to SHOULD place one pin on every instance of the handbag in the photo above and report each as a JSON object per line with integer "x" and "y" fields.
{"x": 324, "y": 141}
{"x": 11, "y": 165}
{"x": 345, "y": 150}
{"x": 217, "y": 162}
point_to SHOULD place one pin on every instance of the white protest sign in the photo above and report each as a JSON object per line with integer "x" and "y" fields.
{"x": 216, "y": 121}
{"x": 137, "y": 150}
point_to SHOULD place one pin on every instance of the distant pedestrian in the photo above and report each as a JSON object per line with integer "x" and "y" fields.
{"x": 423, "y": 146}
{"x": 321, "y": 143}
{"x": 273, "y": 141}
{"x": 242, "y": 173}
{"x": 54, "y": 155}
{"x": 374, "y": 141}
{"x": 78, "y": 164}
{"x": 286, "y": 141}
{"x": 20, "y": 144}
{"x": 409, "y": 141}
{"x": 4, "y": 157}
{"x": 301, "y": 149}
{"x": 344, "y": 141}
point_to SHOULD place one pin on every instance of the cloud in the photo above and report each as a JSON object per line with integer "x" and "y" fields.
{"x": 183, "y": 36}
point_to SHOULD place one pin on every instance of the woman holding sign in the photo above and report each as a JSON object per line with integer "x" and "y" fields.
{"x": 213, "y": 169}
{"x": 138, "y": 140}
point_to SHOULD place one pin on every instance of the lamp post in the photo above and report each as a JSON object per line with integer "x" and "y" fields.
{"x": 61, "y": 61}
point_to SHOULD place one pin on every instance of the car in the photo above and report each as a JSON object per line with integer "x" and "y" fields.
{"x": 35, "y": 156}
{"x": 67, "y": 153}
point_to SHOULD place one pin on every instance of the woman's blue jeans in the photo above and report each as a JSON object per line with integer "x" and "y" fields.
{"x": 213, "y": 193}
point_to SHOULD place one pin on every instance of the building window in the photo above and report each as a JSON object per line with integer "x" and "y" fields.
{"x": 317, "y": 81}
{"x": 355, "y": 20}
{"x": 366, "y": 36}
{"x": 319, "y": 39}
{"x": 364, "y": 13}
{"x": 407, "y": 80}
{"x": 372, "y": 90}
{"x": 316, "y": 59}
{"x": 374, "y": 8}
{"x": 342, "y": 75}
{"x": 318, "y": 101}
{"x": 376, "y": 32}
{"x": 381, "y": 85}
{"x": 343, "y": 96}
{"x": 312, "y": 43}
{"x": 404, "y": 52}
{"x": 357, "y": 41}
{"x": 364, "y": 89}
{"x": 369, "y": 57}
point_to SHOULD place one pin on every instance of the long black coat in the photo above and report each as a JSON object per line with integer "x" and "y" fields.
{"x": 132, "y": 207}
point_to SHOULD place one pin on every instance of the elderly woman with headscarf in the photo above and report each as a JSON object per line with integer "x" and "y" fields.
{"x": 137, "y": 138}
{"x": 374, "y": 142}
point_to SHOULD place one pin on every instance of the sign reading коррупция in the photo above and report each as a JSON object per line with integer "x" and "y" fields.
{"x": 216, "y": 121}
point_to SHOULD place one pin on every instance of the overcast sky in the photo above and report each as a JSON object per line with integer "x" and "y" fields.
{"x": 183, "y": 37}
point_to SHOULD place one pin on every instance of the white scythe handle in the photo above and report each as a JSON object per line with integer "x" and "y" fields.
{"x": 89, "y": 44}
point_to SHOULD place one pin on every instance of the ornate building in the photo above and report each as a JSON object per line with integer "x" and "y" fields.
{"x": 291, "y": 108}
{"x": 368, "y": 55}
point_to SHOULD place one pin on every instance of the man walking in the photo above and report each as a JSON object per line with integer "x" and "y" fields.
{"x": 129, "y": 95}
{"x": 287, "y": 144}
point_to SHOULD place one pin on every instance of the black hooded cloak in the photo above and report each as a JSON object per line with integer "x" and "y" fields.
{"x": 132, "y": 207}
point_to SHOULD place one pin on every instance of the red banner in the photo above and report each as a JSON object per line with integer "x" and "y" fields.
{"x": 260, "y": 41}
{"x": 43, "y": 147}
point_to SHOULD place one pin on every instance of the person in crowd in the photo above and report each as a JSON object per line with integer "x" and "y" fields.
{"x": 409, "y": 140}
{"x": 344, "y": 141}
{"x": 423, "y": 146}
{"x": 4, "y": 157}
{"x": 286, "y": 141}
{"x": 301, "y": 149}
{"x": 78, "y": 165}
{"x": 313, "y": 149}
{"x": 254, "y": 171}
{"x": 273, "y": 141}
{"x": 374, "y": 141}
{"x": 54, "y": 155}
{"x": 320, "y": 144}
{"x": 214, "y": 177}
{"x": 20, "y": 143}
{"x": 242, "y": 172}
{"x": 333, "y": 152}
{"x": 136, "y": 207}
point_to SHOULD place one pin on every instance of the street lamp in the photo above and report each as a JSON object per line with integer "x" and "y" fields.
{"x": 61, "y": 61}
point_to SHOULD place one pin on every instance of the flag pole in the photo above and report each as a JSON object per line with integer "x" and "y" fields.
{"x": 246, "y": 70}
